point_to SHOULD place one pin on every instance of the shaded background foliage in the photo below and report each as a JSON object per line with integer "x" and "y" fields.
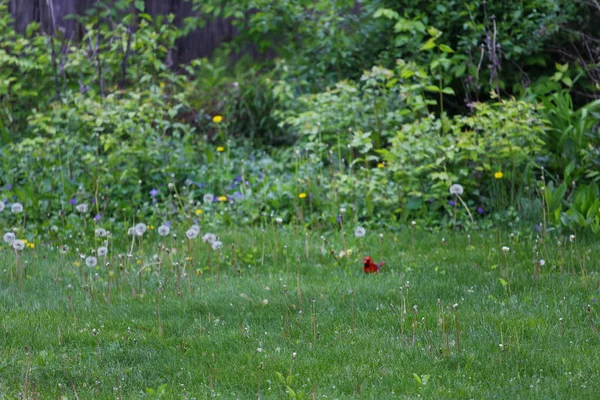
{"x": 396, "y": 100}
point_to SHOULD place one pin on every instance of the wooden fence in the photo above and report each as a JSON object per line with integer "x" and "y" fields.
{"x": 50, "y": 14}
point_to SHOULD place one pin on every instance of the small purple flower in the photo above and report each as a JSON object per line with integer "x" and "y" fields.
{"x": 238, "y": 195}
{"x": 93, "y": 200}
{"x": 9, "y": 186}
{"x": 238, "y": 179}
{"x": 480, "y": 210}
{"x": 261, "y": 176}
{"x": 154, "y": 193}
{"x": 168, "y": 224}
{"x": 538, "y": 227}
{"x": 97, "y": 217}
{"x": 338, "y": 218}
{"x": 452, "y": 203}
{"x": 73, "y": 201}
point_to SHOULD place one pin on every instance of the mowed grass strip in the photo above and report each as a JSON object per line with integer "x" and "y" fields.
{"x": 450, "y": 316}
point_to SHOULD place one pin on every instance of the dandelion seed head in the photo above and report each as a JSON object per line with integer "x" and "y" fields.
{"x": 360, "y": 232}
{"x": 91, "y": 261}
{"x": 9, "y": 237}
{"x": 163, "y": 230}
{"x": 16, "y": 208}
{"x": 192, "y": 233}
{"x": 209, "y": 238}
{"x": 18, "y": 244}
{"x": 456, "y": 189}
{"x": 140, "y": 229}
{"x": 101, "y": 232}
{"x": 208, "y": 198}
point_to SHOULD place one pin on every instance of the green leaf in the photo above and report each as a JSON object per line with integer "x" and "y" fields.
{"x": 448, "y": 90}
{"x": 567, "y": 81}
{"x": 445, "y": 48}
{"x": 140, "y": 5}
{"x": 432, "y": 88}
{"x": 290, "y": 392}
{"x": 562, "y": 67}
{"x": 430, "y": 44}
{"x": 387, "y": 13}
{"x": 417, "y": 379}
{"x": 502, "y": 282}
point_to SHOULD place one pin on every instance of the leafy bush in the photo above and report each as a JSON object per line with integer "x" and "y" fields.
{"x": 489, "y": 153}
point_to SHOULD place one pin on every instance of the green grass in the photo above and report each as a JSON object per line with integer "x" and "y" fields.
{"x": 510, "y": 341}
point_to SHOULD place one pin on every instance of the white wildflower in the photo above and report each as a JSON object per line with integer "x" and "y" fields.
{"x": 217, "y": 245}
{"x": 191, "y": 233}
{"x": 163, "y": 230}
{"x": 209, "y": 238}
{"x": 505, "y": 249}
{"x": 82, "y": 207}
{"x": 139, "y": 229}
{"x": 360, "y": 232}
{"x": 572, "y": 238}
{"x": 456, "y": 189}
{"x": 9, "y": 237}
{"x": 208, "y": 198}
{"x": 542, "y": 263}
{"x": 16, "y": 208}
{"x": 100, "y": 232}
{"x": 91, "y": 261}
{"x": 18, "y": 244}
{"x": 102, "y": 251}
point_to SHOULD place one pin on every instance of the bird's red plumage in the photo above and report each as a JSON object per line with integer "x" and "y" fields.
{"x": 370, "y": 267}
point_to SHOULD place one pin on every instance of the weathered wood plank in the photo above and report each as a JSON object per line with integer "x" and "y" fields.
{"x": 199, "y": 43}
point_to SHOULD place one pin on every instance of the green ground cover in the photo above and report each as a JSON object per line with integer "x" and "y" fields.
{"x": 280, "y": 314}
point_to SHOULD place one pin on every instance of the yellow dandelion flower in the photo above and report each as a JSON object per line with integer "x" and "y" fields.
{"x": 31, "y": 245}
{"x": 380, "y": 165}
{"x": 217, "y": 119}
{"x": 76, "y": 263}
{"x": 198, "y": 211}
{"x": 220, "y": 149}
{"x": 162, "y": 84}
{"x": 222, "y": 198}
{"x": 139, "y": 262}
{"x": 198, "y": 272}
{"x": 302, "y": 195}
{"x": 498, "y": 175}
{"x": 25, "y": 241}
{"x": 150, "y": 227}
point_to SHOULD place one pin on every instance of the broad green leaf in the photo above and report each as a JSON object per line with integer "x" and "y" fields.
{"x": 430, "y": 44}
{"x": 445, "y": 48}
{"x": 432, "y": 88}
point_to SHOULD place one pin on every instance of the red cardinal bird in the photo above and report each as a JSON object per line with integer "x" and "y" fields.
{"x": 370, "y": 267}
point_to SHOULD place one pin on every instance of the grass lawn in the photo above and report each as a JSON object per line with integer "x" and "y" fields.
{"x": 449, "y": 317}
